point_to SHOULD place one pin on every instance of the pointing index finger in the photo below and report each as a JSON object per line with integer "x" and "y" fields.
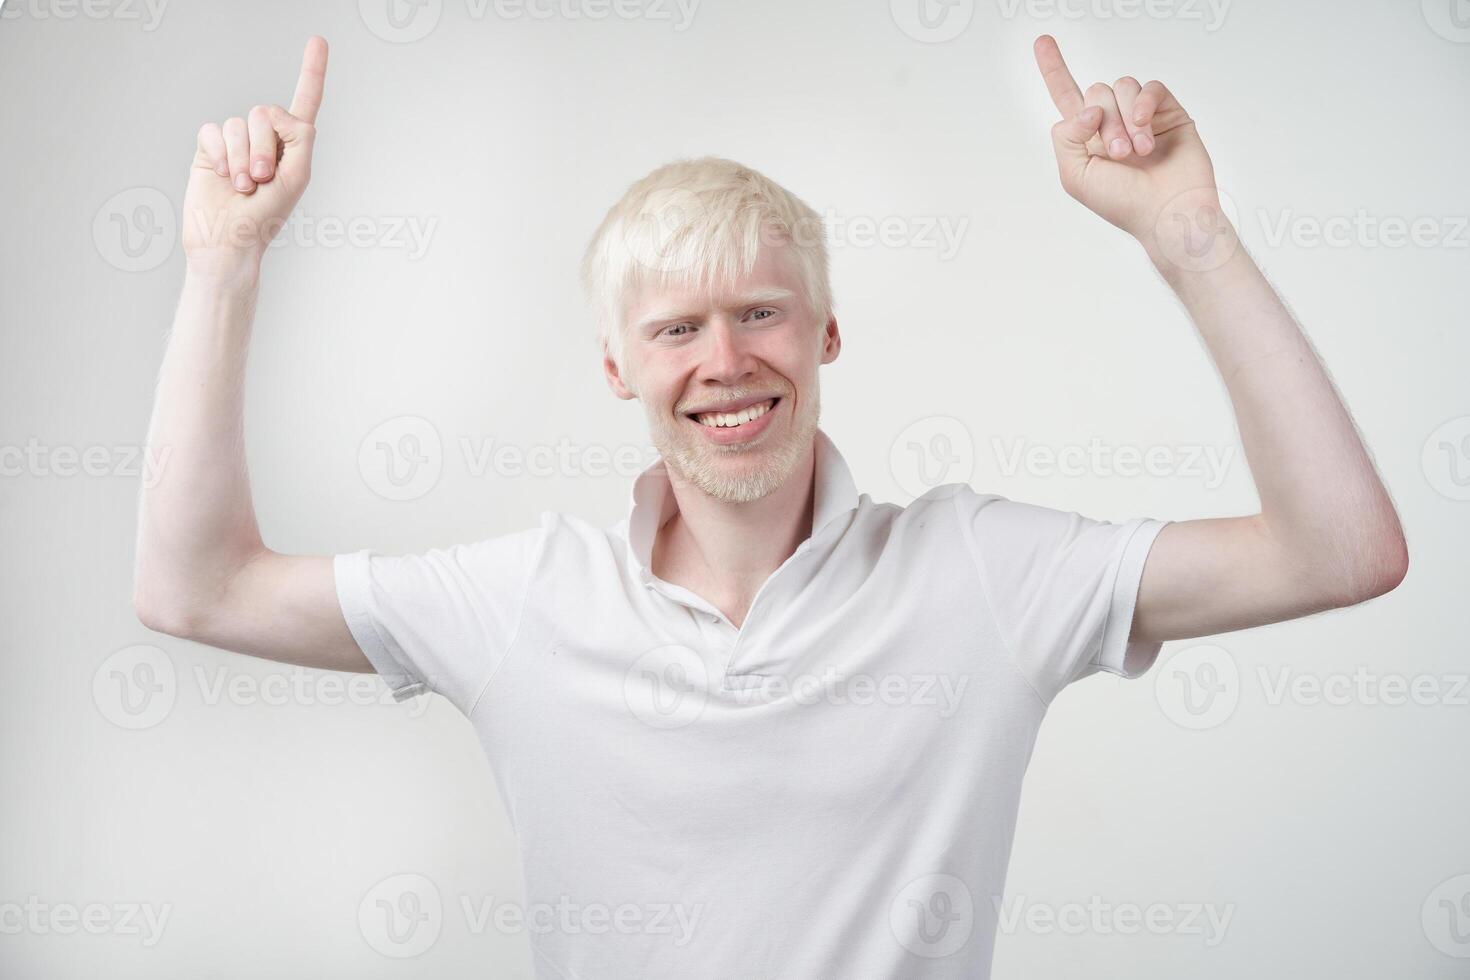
{"x": 308, "y": 97}
{"x": 1059, "y": 81}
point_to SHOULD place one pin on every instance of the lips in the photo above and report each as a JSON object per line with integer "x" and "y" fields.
{"x": 735, "y": 414}
{"x": 738, "y": 421}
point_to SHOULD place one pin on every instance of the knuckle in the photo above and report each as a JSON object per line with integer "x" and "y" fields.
{"x": 234, "y": 124}
{"x": 1098, "y": 88}
{"x": 1127, "y": 82}
{"x": 259, "y": 112}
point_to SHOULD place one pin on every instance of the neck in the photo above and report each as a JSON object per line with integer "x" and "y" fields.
{"x": 724, "y": 551}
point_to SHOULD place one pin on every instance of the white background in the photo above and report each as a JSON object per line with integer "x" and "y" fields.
{"x": 1329, "y": 832}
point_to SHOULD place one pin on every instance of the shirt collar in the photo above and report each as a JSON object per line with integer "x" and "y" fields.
{"x": 653, "y": 502}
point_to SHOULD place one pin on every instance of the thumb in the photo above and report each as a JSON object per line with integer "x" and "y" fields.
{"x": 297, "y": 137}
{"x": 1069, "y": 138}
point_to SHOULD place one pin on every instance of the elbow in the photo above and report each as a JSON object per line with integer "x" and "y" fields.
{"x": 1383, "y": 568}
{"x": 161, "y": 615}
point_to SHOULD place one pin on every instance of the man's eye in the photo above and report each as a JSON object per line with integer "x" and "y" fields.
{"x": 768, "y": 314}
{"x": 674, "y": 330}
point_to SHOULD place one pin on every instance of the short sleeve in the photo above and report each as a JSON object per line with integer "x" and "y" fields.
{"x": 1061, "y": 587}
{"x": 442, "y": 620}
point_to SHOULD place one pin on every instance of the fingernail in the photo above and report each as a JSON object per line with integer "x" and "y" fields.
{"x": 242, "y": 182}
{"x": 260, "y": 169}
{"x": 1118, "y": 147}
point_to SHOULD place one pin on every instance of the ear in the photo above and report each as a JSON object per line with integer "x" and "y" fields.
{"x": 614, "y": 376}
{"x": 831, "y": 341}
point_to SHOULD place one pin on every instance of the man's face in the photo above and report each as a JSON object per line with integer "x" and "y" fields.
{"x": 729, "y": 380}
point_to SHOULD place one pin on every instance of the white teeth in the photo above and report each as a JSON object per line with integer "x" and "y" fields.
{"x": 727, "y": 419}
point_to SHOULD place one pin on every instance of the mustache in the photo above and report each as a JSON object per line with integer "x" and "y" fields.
{"x": 773, "y": 390}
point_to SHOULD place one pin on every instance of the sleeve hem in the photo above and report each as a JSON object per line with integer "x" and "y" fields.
{"x": 1118, "y": 655}
{"x": 351, "y": 572}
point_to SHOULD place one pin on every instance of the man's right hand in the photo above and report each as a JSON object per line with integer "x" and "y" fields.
{"x": 249, "y": 173}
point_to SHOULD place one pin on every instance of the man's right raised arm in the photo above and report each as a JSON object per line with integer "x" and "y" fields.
{"x": 202, "y": 571}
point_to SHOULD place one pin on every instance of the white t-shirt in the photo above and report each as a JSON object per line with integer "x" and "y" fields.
{"x": 829, "y": 791}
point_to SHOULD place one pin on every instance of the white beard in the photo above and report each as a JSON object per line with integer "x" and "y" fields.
{"x": 705, "y": 466}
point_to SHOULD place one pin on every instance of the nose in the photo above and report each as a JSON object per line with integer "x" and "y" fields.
{"x": 728, "y": 358}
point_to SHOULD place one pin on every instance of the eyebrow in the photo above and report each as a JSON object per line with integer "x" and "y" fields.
{"x": 754, "y": 298}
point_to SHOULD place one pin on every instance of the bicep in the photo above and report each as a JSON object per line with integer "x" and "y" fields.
{"x": 283, "y": 608}
{"x": 1204, "y": 577}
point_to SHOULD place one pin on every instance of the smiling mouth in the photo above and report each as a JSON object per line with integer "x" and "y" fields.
{"x": 733, "y": 420}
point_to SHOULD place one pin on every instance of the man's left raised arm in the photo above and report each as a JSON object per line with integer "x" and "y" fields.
{"x": 1327, "y": 534}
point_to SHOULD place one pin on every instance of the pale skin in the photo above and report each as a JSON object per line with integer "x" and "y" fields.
{"x": 1326, "y": 534}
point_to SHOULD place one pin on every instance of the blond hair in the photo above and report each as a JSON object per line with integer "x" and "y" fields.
{"x": 697, "y": 223}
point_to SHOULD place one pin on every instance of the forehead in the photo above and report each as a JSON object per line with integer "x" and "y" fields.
{"x": 772, "y": 278}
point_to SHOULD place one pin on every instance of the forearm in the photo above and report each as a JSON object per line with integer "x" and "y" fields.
{"x": 196, "y": 522}
{"x": 1322, "y": 502}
